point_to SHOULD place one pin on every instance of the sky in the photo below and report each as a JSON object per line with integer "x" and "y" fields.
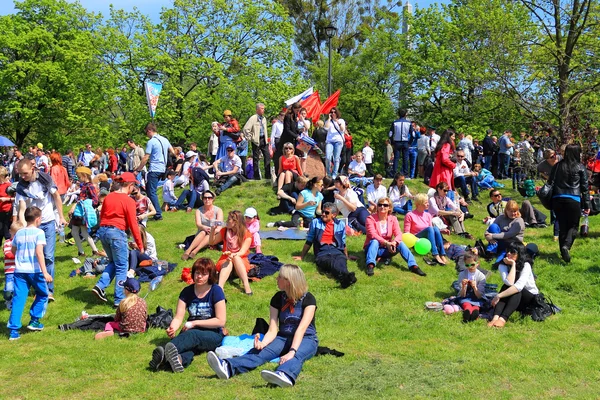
{"x": 150, "y": 8}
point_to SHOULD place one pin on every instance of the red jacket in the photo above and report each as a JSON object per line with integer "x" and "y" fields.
{"x": 443, "y": 168}
{"x": 118, "y": 210}
{"x": 374, "y": 232}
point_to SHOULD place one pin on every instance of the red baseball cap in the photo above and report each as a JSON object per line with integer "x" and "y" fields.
{"x": 128, "y": 177}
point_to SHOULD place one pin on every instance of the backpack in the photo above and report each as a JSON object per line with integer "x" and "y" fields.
{"x": 540, "y": 308}
{"x": 161, "y": 319}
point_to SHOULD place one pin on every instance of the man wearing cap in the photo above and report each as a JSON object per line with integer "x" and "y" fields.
{"x": 401, "y": 133}
{"x": 255, "y": 131}
{"x": 118, "y": 216}
{"x": 36, "y": 188}
{"x": 157, "y": 152}
{"x": 227, "y": 170}
{"x": 328, "y": 236}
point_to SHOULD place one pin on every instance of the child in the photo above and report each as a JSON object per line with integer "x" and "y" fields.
{"x": 252, "y": 221}
{"x": 357, "y": 170}
{"x": 30, "y": 271}
{"x": 146, "y": 258}
{"x": 91, "y": 267}
{"x": 143, "y": 206}
{"x": 472, "y": 287}
{"x": 169, "y": 197}
{"x": 72, "y": 194}
{"x": 6, "y": 204}
{"x": 9, "y": 266}
{"x": 131, "y": 314}
{"x": 367, "y": 152}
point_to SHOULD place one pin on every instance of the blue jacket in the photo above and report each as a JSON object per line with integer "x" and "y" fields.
{"x": 315, "y": 233}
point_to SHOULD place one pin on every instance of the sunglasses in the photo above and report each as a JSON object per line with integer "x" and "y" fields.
{"x": 383, "y": 205}
{"x": 228, "y": 150}
{"x": 497, "y": 195}
{"x": 460, "y": 156}
{"x": 470, "y": 265}
{"x": 326, "y": 212}
{"x": 289, "y": 148}
{"x": 445, "y": 190}
{"x": 208, "y": 197}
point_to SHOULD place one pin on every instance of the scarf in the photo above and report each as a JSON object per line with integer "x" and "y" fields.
{"x": 43, "y": 178}
{"x": 441, "y": 203}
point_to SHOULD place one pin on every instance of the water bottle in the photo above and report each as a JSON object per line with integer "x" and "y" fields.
{"x": 61, "y": 234}
{"x": 584, "y": 230}
{"x": 154, "y": 282}
{"x": 300, "y": 223}
{"x": 84, "y": 314}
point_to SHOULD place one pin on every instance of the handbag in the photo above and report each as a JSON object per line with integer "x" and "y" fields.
{"x": 595, "y": 204}
{"x": 545, "y": 193}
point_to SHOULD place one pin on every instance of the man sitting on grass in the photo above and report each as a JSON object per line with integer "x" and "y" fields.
{"x": 228, "y": 170}
{"x": 328, "y": 235}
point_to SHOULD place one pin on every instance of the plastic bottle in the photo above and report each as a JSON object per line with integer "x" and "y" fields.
{"x": 61, "y": 234}
{"x": 584, "y": 230}
{"x": 154, "y": 282}
{"x": 300, "y": 223}
{"x": 84, "y": 314}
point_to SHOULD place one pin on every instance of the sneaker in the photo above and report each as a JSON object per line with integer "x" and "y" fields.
{"x": 271, "y": 225}
{"x": 219, "y": 366}
{"x": 466, "y": 316}
{"x": 157, "y": 218}
{"x": 387, "y": 261}
{"x": 370, "y": 270}
{"x": 277, "y": 378}
{"x": 173, "y": 358}
{"x": 564, "y": 252}
{"x": 158, "y": 358}
{"x": 474, "y": 315}
{"x": 50, "y": 297}
{"x": 100, "y": 293}
{"x": 416, "y": 270}
{"x": 469, "y": 215}
{"x": 14, "y": 335}
{"x": 347, "y": 280}
{"x": 35, "y": 325}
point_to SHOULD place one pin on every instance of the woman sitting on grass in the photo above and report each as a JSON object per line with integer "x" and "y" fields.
{"x": 519, "y": 286}
{"x": 204, "y": 215}
{"x": 440, "y": 205}
{"x": 292, "y": 335}
{"x": 289, "y": 166}
{"x": 507, "y": 228}
{"x": 308, "y": 206}
{"x": 236, "y": 245}
{"x": 418, "y": 222}
{"x": 400, "y": 195}
{"x": 203, "y": 331}
{"x": 347, "y": 202}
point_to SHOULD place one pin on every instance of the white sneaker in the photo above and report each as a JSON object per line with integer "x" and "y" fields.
{"x": 218, "y": 365}
{"x": 276, "y": 378}
{"x": 271, "y": 225}
{"x": 181, "y": 246}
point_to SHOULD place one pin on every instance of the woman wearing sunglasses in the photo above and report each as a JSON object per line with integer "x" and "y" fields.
{"x": 440, "y": 205}
{"x": 384, "y": 239}
{"x": 289, "y": 166}
{"x": 206, "y": 217}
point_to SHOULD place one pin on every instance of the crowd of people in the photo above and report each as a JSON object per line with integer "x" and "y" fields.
{"x": 114, "y": 194}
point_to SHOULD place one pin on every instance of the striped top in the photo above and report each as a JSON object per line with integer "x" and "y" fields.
{"x": 25, "y": 242}
{"x": 9, "y": 257}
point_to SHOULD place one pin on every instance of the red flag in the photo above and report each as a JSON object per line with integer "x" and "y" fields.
{"x": 331, "y": 102}
{"x": 313, "y": 106}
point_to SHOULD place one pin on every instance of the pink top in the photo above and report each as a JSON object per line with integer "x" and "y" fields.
{"x": 253, "y": 227}
{"x": 415, "y": 221}
{"x": 374, "y": 230}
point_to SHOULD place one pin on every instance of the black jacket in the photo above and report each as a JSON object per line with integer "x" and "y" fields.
{"x": 572, "y": 182}
{"x": 488, "y": 146}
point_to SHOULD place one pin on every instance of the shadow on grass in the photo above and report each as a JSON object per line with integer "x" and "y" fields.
{"x": 82, "y": 294}
{"x": 593, "y": 270}
{"x": 443, "y": 295}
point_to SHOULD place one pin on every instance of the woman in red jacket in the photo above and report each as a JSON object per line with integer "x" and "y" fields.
{"x": 113, "y": 162}
{"x": 444, "y": 167}
{"x": 384, "y": 239}
{"x": 59, "y": 174}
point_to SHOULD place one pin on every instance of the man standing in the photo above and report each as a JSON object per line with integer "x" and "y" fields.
{"x": 255, "y": 131}
{"x": 86, "y": 156}
{"x": 37, "y": 189}
{"x": 328, "y": 235}
{"x": 488, "y": 150}
{"x": 401, "y": 133}
{"x": 157, "y": 151}
{"x": 69, "y": 163}
{"x": 135, "y": 156}
{"x": 227, "y": 170}
{"x": 504, "y": 154}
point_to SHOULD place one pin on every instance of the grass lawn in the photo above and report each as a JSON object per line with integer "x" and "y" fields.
{"x": 393, "y": 347}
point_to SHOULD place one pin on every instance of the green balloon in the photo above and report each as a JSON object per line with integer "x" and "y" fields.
{"x": 423, "y": 246}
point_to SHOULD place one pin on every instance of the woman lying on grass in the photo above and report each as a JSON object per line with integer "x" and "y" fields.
{"x": 292, "y": 335}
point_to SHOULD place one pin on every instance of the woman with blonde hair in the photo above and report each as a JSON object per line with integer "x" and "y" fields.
{"x": 418, "y": 222}
{"x": 292, "y": 335}
{"x": 236, "y": 241}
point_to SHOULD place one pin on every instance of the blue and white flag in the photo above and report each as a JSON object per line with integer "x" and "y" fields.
{"x": 152, "y": 93}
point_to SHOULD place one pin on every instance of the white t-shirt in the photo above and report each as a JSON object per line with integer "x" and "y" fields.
{"x": 525, "y": 281}
{"x": 42, "y": 201}
{"x": 462, "y": 169}
{"x": 368, "y": 154}
{"x": 435, "y": 138}
{"x": 169, "y": 192}
{"x": 373, "y": 195}
{"x": 336, "y": 135}
{"x": 352, "y": 197}
{"x": 358, "y": 168}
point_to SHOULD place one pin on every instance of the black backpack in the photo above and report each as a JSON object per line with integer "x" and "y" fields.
{"x": 161, "y": 319}
{"x": 540, "y": 308}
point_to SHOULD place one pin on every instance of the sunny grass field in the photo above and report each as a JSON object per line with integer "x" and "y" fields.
{"x": 393, "y": 347}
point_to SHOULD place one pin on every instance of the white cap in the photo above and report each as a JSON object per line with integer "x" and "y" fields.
{"x": 190, "y": 154}
{"x": 250, "y": 212}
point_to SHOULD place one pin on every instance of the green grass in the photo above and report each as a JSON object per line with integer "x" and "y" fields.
{"x": 393, "y": 347}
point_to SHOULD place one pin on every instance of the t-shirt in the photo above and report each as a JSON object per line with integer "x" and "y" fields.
{"x": 9, "y": 257}
{"x": 504, "y": 144}
{"x": 335, "y": 131}
{"x": 158, "y": 149}
{"x": 288, "y": 320}
{"x": 169, "y": 192}
{"x": 26, "y": 240}
{"x": 41, "y": 200}
{"x": 352, "y": 197}
{"x": 309, "y": 211}
{"x": 368, "y": 155}
{"x": 327, "y": 236}
{"x": 202, "y": 308}
{"x": 5, "y": 206}
{"x": 374, "y": 194}
{"x": 358, "y": 168}
{"x": 228, "y": 164}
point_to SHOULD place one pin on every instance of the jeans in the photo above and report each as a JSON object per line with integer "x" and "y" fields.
{"x": 256, "y": 150}
{"x": 114, "y": 242}
{"x": 193, "y": 201}
{"x": 332, "y": 260}
{"x": 152, "y": 179}
{"x": 361, "y": 181}
{"x": 49, "y": 229}
{"x": 404, "y": 209}
{"x": 231, "y": 180}
{"x": 374, "y": 250}
{"x": 434, "y": 235}
{"x": 357, "y": 219}
{"x": 194, "y": 341}
{"x": 498, "y": 248}
{"x": 38, "y": 308}
{"x": 487, "y": 162}
{"x": 9, "y": 286}
{"x": 412, "y": 156}
{"x": 333, "y": 152}
{"x": 463, "y": 183}
{"x": 136, "y": 257}
{"x": 401, "y": 148}
{"x": 503, "y": 163}
{"x": 278, "y": 347}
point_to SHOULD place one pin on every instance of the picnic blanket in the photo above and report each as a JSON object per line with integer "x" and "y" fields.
{"x": 288, "y": 234}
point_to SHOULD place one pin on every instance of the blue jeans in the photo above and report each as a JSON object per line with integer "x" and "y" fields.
{"x": 333, "y": 152}
{"x": 434, "y": 235}
{"x": 114, "y": 242}
{"x": 192, "y": 199}
{"x": 152, "y": 179}
{"x": 361, "y": 181}
{"x": 49, "y": 229}
{"x": 405, "y": 209}
{"x": 194, "y": 341}
{"x": 357, "y": 219}
{"x": 136, "y": 257}
{"x": 9, "y": 286}
{"x": 401, "y": 148}
{"x": 498, "y": 248}
{"x": 374, "y": 250}
{"x": 487, "y": 160}
{"x": 38, "y": 308}
{"x": 503, "y": 163}
{"x": 412, "y": 155}
{"x": 231, "y": 180}
{"x": 278, "y": 347}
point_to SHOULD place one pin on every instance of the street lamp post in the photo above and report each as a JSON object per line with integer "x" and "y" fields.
{"x": 330, "y": 31}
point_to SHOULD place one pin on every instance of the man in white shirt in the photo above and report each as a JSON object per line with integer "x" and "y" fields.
{"x": 277, "y": 130}
{"x": 38, "y": 189}
{"x": 463, "y": 176}
{"x": 227, "y": 173}
{"x": 375, "y": 191}
{"x": 434, "y": 139}
{"x": 86, "y": 156}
